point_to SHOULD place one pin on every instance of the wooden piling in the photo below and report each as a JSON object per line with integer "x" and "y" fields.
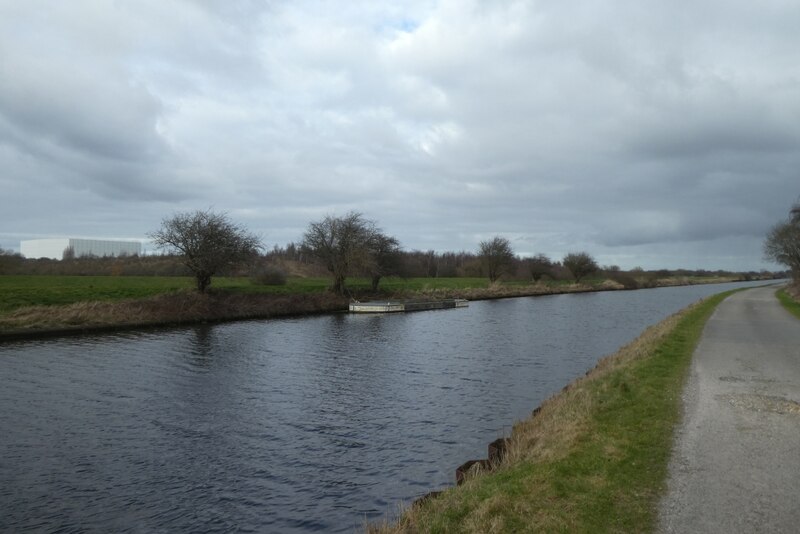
{"x": 470, "y": 466}
{"x": 497, "y": 450}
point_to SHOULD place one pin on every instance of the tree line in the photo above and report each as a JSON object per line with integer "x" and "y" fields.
{"x": 205, "y": 244}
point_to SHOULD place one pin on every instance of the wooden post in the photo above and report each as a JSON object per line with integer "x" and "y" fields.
{"x": 497, "y": 450}
{"x": 470, "y": 466}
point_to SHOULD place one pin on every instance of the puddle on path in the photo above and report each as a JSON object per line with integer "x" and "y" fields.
{"x": 762, "y": 403}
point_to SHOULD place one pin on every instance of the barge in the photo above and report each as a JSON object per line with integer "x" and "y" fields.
{"x": 394, "y": 306}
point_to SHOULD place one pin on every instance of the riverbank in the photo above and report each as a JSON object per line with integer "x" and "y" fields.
{"x": 593, "y": 458}
{"x": 790, "y": 299}
{"x": 186, "y": 306}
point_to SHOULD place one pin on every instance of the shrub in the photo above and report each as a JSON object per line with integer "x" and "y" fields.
{"x": 626, "y": 279}
{"x": 269, "y": 275}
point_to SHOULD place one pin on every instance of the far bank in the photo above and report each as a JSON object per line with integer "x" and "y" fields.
{"x": 74, "y": 305}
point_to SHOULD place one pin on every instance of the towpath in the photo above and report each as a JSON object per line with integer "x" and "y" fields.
{"x": 735, "y": 465}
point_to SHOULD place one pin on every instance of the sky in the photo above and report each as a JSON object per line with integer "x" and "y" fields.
{"x": 649, "y": 134}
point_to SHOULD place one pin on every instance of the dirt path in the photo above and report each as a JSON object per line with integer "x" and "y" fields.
{"x": 736, "y": 461}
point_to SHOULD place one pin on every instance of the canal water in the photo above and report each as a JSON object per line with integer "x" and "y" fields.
{"x": 292, "y": 425}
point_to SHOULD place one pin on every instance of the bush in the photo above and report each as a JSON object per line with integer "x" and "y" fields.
{"x": 626, "y": 279}
{"x": 269, "y": 275}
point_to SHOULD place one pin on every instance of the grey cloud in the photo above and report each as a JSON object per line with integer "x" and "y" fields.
{"x": 733, "y": 125}
{"x": 101, "y": 124}
{"x": 640, "y": 132}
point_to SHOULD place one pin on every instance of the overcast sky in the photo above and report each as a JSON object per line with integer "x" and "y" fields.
{"x": 652, "y": 134}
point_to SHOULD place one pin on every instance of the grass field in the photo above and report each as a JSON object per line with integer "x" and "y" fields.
{"x": 595, "y": 457}
{"x": 20, "y": 291}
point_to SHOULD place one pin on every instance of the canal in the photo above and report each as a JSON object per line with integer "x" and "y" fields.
{"x": 291, "y": 425}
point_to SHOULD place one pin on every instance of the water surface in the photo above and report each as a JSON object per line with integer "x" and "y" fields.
{"x": 293, "y": 425}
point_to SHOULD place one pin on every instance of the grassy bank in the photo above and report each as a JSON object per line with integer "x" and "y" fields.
{"x": 593, "y": 459}
{"x": 46, "y": 304}
{"x": 33, "y": 305}
{"x": 790, "y": 299}
{"x": 19, "y": 291}
{"x": 180, "y": 307}
{"x": 46, "y": 290}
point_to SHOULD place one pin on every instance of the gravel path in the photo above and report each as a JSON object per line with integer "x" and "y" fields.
{"x": 735, "y": 465}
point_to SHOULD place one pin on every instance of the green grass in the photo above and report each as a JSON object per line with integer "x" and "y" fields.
{"x": 788, "y": 302}
{"x": 19, "y": 291}
{"x": 595, "y": 459}
{"x": 43, "y": 290}
{"x": 50, "y": 290}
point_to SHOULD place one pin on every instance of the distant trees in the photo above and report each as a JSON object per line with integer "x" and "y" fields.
{"x": 432, "y": 264}
{"x": 496, "y": 256}
{"x": 9, "y": 260}
{"x": 349, "y": 244}
{"x": 782, "y": 244}
{"x": 580, "y": 264}
{"x": 207, "y": 243}
{"x": 538, "y": 266}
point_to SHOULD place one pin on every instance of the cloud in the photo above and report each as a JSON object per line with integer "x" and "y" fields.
{"x": 621, "y": 128}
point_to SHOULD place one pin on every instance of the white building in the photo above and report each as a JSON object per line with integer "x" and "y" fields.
{"x": 55, "y": 248}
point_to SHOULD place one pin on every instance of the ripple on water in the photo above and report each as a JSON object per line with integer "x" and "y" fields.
{"x": 299, "y": 425}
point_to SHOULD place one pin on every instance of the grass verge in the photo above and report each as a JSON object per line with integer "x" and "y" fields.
{"x": 593, "y": 459}
{"x": 791, "y": 303}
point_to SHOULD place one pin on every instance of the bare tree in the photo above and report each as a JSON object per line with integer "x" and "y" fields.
{"x": 783, "y": 243}
{"x": 496, "y": 256}
{"x": 341, "y": 243}
{"x": 208, "y": 242}
{"x": 580, "y": 264}
{"x": 539, "y": 266}
{"x": 384, "y": 257}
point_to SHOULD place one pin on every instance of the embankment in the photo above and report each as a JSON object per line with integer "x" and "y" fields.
{"x": 499, "y": 291}
{"x": 186, "y": 307}
{"x": 592, "y": 458}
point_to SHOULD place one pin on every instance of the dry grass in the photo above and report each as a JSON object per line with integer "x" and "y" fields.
{"x": 181, "y": 307}
{"x": 497, "y": 291}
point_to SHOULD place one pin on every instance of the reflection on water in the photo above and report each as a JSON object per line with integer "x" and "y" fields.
{"x": 291, "y": 425}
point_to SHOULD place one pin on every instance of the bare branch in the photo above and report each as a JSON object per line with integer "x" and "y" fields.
{"x": 208, "y": 242}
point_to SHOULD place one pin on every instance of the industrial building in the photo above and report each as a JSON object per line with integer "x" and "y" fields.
{"x": 56, "y": 248}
